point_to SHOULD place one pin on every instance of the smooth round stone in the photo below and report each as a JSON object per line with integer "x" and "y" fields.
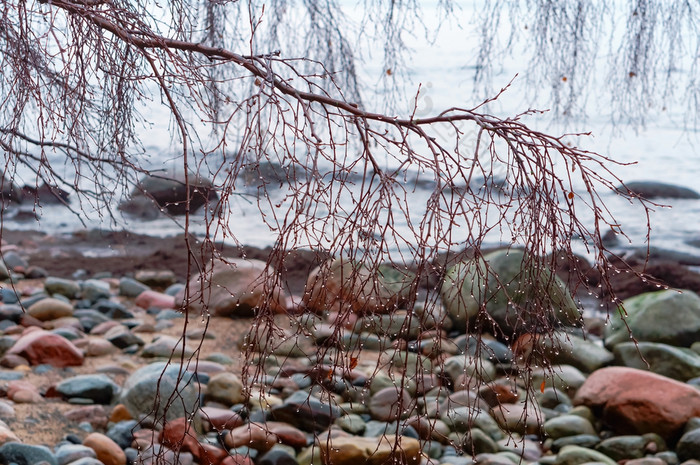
{"x": 50, "y": 309}
{"x": 218, "y": 357}
{"x": 98, "y": 388}
{"x": 526, "y": 449}
{"x": 568, "y": 425}
{"x": 69, "y": 453}
{"x": 11, "y": 312}
{"x": 122, "y": 338}
{"x": 475, "y": 442}
{"x": 623, "y": 447}
{"x": 364, "y": 340}
{"x": 65, "y": 287}
{"x": 226, "y": 388}
{"x": 522, "y": 418}
{"x": 552, "y": 397}
{"x": 460, "y": 366}
{"x": 278, "y": 455}
{"x": 151, "y": 386}
{"x": 352, "y": 423}
{"x": 9, "y": 296}
{"x": 86, "y": 461}
{"x": 129, "y": 287}
{"x": 566, "y": 378}
{"x": 305, "y": 412}
{"x": 169, "y": 314}
{"x": 688, "y": 446}
{"x": 166, "y": 346}
{"x": 461, "y": 419}
{"x": 25, "y": 454}
{"x": 674, "y": 362}
{"x": 95, "y": 289}
{"x": 389, "y": 404}
{"x": 588, "y": 441}
{"x": 576, "y": 455}
{"x": 90, "y": 318}
{"x": 122, "y": 433}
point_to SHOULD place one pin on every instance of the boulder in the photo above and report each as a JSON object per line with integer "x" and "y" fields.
{"x": 674, "y": 362}
{"x": 633, "y": 401}
{"x": 168, "y": 192}
{"x": 534, "y": 293}
{"x": 236, "y": 287}
{"x": 99, "y": 388}
{"x": 668, "y": 316}
{"x": 343, "y": 284}
{"x": 655, "y": 189}
{"x": 158, "y": 390}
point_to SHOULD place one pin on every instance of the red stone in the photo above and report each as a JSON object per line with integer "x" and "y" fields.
{"x": 638, "y": 402}
{"x": 153, "y": 299}
{"x": 96, "y": 415}
{"x": 220, "y": 418}
{"x": 287, "y": 434}
{"x": 178, "y": 435}
{"x": 40, "y": 347}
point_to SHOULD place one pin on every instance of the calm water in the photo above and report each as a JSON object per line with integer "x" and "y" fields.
{"x": 661, "y": 151}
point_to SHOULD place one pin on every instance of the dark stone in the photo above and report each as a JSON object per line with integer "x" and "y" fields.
{"x": 11, "y": 312}
{"x": 168, "y": 191}
{"x": 688, "y": 446}
{"x": 25, "y": 454}
{"x": 123, "y": 433}
{"x": 305, "y": 412}
{"x": 46, "y": 195}
{"x": 277, "y": 457}
{"x": 98, "y": 388}
{"x": 655, "y": 189}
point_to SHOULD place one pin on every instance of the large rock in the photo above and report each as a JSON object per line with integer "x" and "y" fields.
{"x": 160, "y": 389}
{"x": 633, "y": 401}
{"x": 168, "y": 191}
{"x": 343, "y": 284}
{"x": 534, "y": 293}
{"x": 655, "y": 189}
{"x": 39, "y": 347}
{"x": 674, "y": 362}
{"x": 237, "y": 287}
{"x": 668, "y": 316}
{"x": 370, "y": 451}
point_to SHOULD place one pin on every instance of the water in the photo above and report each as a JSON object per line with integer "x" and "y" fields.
{"x": 663, "y": 150}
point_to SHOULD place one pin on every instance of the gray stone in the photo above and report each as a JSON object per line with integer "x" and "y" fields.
{"x": 225, "y": 388}
{"x": 129, "y": 287}
{"x": 656, "y": 189}
{"x": 477, "y": 369}
{"x": 99, "y": 388}
{"x": 160, "y": 389}
{"x": 122, "y": 433}
{"x": 305, "y": 412}
{"x": 121, "y": 337}
{"x": 166, "y": 346}
{"x": 60, "y": 286}
{"x": 562, "y": 348}
{"x": 576, "y": 455}
{"x": 470, "y": 283}
{"x": 667, "y": 316}
{"x": 95, "y": 289}
{"x": 568, "y": 425}
{"x": 589, "y": 441}
{"x": 25, "y": 454}
{"x": 688, "y": 446}
{"x": 674, "y": 362}
{"x": 623, "y": 447}
{"x": 461, "y": 419}
{"x": 70, "y": 453}
{"x": 475, "y": 441}
{"x": 352, "y": 423}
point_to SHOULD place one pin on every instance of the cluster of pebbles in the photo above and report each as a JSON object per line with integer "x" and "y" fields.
{"x": 110, "y": 370}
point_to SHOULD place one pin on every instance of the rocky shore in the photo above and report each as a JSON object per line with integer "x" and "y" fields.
{"x": 98, "y": 366}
